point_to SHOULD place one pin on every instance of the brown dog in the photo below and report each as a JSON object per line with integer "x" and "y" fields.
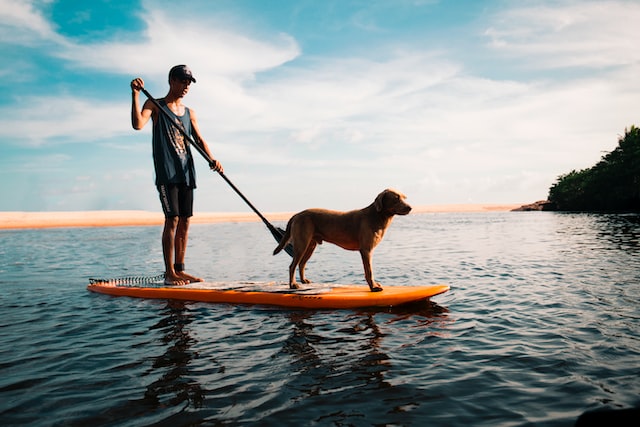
{"x": 358, "y": 230}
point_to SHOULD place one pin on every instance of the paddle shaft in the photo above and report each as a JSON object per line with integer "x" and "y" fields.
{"x": 274, "y": 231}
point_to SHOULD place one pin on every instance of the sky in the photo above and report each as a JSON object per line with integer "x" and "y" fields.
{"x": 315, "y": 103}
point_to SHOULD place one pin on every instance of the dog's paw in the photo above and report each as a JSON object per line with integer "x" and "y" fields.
{"x": 376, "y": 287}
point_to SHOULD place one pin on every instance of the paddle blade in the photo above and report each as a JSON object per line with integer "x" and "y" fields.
{"x": 278, "y": 233}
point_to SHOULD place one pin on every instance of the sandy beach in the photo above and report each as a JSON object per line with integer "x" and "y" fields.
{"x": 21, "y": 220}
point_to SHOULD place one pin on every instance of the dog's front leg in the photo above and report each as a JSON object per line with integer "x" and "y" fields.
{"x": 368, "y": 272}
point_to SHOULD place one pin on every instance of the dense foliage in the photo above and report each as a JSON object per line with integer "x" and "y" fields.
{"x": 612, "y": 185}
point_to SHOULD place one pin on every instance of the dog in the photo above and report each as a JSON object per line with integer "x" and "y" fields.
{"x": 357, "y": 230}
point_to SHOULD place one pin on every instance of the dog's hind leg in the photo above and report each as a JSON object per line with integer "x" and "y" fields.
{"x": 292, "y": 272}
{"x": 305, "y": 258}
{"x": 301, "y": 253}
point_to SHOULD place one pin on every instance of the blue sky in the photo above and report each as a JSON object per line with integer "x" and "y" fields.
{"x": 315, "y": 103}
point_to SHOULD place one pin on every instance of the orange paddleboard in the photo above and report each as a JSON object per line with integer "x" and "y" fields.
{"x": 312, "y": 296}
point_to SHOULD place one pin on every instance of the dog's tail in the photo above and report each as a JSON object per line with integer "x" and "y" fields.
{"x": 285, "y": 239}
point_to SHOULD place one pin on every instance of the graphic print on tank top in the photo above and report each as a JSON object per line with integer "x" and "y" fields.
{"x": 177, "y": 139}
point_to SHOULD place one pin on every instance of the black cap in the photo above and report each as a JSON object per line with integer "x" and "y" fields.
{"x": 181, "y": 72}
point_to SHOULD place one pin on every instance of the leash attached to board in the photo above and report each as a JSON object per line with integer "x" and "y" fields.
{"x": 278, "y": 233}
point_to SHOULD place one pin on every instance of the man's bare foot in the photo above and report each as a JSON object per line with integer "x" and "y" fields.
{"x": 174, "y": 280}
{"x": 189, "y": 278}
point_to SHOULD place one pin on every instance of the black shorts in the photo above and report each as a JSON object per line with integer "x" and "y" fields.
{"x": 176, "y": 200}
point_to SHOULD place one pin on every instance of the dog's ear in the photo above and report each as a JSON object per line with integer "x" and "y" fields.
{"x": 378, "y": 203}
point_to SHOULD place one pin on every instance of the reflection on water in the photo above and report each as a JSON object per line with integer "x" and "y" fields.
{"x": 167, "y": 376}
{"x": 621, "y": 230}
{"x": 540, "y": 325}
{"x": 356, "y": 344}
{"x": 343, "y": 362}
{"x": 174, "y": 386}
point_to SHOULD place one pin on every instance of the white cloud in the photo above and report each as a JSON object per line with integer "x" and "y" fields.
{"x": 206, "y": 48}
{"x": 22, "y": 23}
{"x": 571, "y": 34}
{"x": 39, "y": 119}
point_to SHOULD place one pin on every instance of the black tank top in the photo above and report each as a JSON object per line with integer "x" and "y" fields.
{"x": 171, "y": 153}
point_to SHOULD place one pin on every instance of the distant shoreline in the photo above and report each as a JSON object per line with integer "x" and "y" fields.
{"x": 26, "y": 220}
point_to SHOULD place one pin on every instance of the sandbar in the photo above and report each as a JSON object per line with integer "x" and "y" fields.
{"x": 24, "y": 220}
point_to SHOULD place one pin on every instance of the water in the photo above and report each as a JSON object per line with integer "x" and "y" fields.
{"x": 542, "y": 323}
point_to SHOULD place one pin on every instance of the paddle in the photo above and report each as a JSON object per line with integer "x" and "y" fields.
{"x": 278, "y": 233}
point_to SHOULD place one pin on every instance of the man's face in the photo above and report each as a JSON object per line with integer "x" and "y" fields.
{"x": 180, "y": 87}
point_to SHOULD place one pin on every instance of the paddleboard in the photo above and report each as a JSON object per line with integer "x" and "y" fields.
{"x": 311, "y": 296}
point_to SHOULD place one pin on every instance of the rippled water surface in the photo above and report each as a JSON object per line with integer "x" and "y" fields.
{"x": 542, "y": 323}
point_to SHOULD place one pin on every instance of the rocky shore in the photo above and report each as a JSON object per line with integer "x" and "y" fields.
{"x": 540, "y": 205}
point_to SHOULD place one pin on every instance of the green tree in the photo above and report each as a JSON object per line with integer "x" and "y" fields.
{"x": 612, "y": 185}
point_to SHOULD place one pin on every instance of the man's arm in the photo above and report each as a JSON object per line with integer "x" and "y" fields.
{"x": 139, "y": 117}
{"x": 197, "y": 136}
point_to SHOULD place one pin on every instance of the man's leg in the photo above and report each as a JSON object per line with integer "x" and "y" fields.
{"x": 182, "y": 236}
{"x": 185, "y": 197}
{"x": 169, "y": 236}
{"x": 169, "y": 200}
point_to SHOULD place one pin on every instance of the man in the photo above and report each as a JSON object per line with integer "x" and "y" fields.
{"x": 174, "y": 167}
